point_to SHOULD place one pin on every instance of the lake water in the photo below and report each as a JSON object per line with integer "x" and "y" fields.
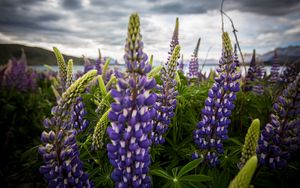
{"x": 206, "y": 68}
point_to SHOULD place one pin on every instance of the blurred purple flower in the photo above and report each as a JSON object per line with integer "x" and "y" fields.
{"x": 281, "y": 136}
{"x": 212, "y": 130}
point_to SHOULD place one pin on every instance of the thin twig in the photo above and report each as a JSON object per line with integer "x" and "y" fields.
{"x": 236, "y": 39}
{"x": 222, "y": 19}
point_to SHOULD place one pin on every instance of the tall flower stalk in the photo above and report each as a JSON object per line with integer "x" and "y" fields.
{"x": 280, "y": 137}
{"x": 258, "y": 87}
{"x": 194, "y": 64}
{"x": 275, "y": 68}
{"x": 166, "y": 100}
{"x": 62, "y": 166}
{"x": 211, "y": 131}
{"x": 250, "y": 77}
{"x": 174, "y": 42}
{"x": 181, "y": 64}
{"x": 131, "y": 115}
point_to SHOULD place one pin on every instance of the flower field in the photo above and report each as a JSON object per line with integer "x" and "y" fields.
{"x": 150, "y": 126}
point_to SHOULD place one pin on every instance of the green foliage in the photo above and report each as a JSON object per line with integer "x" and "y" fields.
{"x": 243, "y": 179}
{"x": 180, "y": 177}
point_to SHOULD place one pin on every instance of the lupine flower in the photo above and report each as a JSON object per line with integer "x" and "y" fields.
{"x": 62, "y": 166}
{"x": 16, "y": 75}
{"x": 194, "y": 64}
{"x": 166, "y": 100}
{"x": 211, "y": 131}
{"x": 251, "y": 141}
{"x": 87, "y": 65}
{"x": 258, "y": 88}
{"x": 99, "y": 63}
{"x": 99, "y": 131}
{"x": 181, "y": 64}
{"x": 131, "y": 115}
{"x": 174, "y": 41}
{"x": 280, "y": 137}
{"x": 62, "y": 69}
{"x": 250, "y": 77}
{"x": 243, "y": 178}
{"x": 78, "y": 114}
{"x": 289, "y": 74}
{"x": 275, "y": 68}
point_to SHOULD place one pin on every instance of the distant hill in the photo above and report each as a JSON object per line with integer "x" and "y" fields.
{"x": 288, "y": 54}
{"x": 35, "y": 55}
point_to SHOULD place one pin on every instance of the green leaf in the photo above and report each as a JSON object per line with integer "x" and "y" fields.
{"x": 105, "y": 68}
{"x": 177, "y": 78}
{"x": 102, "y": 86}
{"x": 151, "y": 60}
{"x": 155, "y": 71}
{"x": 161, "y": 173}
{"x": 196, "y": 178}
{"x": 188, "y": 167}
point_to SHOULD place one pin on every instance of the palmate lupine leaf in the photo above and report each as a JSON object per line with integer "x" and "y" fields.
{"x": 243, "y": 178}
{"x": 251, "y": 142}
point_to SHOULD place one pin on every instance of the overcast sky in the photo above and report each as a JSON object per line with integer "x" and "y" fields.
{"x": 79, "y": 27}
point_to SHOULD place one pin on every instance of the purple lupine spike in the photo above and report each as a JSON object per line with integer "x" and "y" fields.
{"x": 181, "y": 64}
{"x": 275, "y": 68}
{"x": 211, "y": 131}
{"x": 194, "y": 64}
{"x": 77, "y": 115}
{"x": 174, "y": 40}
{"x": 289, "y": 74}
{"x": 62, "y": 166}
{"x": 87, "y": 65}
{"x": 260, "y": 73}
{"x": 166, "y": 99}
{"x": 250, "y": 77}
{"x": 280, "y": 137}
{"x": 132, "y": 115}
{"x": 16, "y": 75}
{"x": 99, "y": 63}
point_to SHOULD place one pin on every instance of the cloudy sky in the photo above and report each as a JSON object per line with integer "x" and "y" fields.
{"x": 79, "y": 27}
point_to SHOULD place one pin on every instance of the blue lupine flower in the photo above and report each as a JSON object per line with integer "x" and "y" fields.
{"x": 87, "y": 65}
{"x": 194, "y": 64}
{"x": 211, "y": 131}
{"x": 78, "y": 114}
{"x": 174, "y": 42}
{"x": 250, "y": 77}
{"x": 16, "y": 75}
{"x": 62, "y": 166}
{"x": 260, "y": 73}
{"x": 275, "y": 68}
{"x": 280, "y": 137}
{"x": 289, "y": 74}
{"x": 166, "y": 99}
{"x": 181, "y": 64}
{"x": 131, "y": 115}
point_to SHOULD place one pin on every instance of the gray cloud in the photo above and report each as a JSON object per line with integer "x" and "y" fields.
{"x": 103, "y": 23}
{"x": 71, "y": 4}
